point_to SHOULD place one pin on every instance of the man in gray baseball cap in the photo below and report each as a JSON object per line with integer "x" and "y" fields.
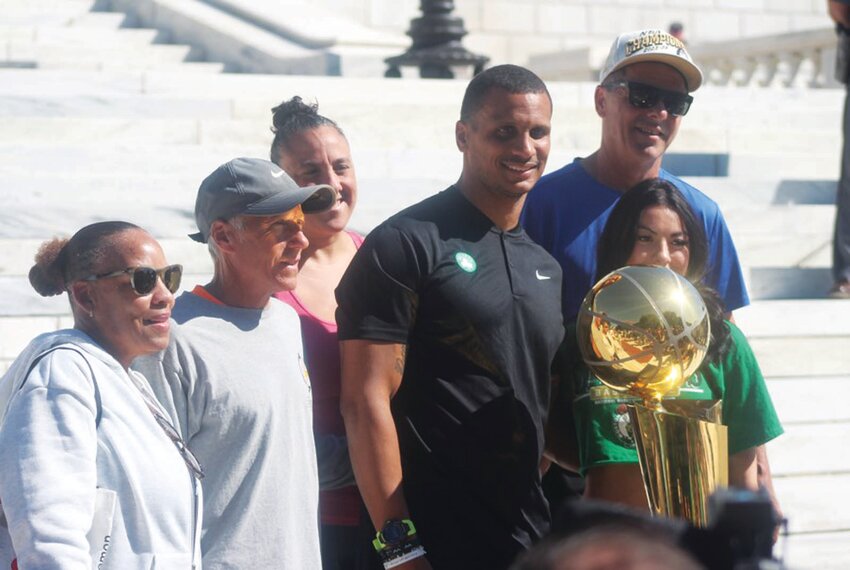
{"x": 233, "y": 375}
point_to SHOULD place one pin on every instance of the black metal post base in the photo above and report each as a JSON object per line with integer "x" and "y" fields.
{"x": 436, "y": 45}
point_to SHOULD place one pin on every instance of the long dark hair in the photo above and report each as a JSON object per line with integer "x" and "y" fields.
{"x": 618, "y": 240}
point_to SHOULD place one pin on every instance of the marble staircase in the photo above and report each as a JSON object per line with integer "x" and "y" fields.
{"x": 100, "y": 121}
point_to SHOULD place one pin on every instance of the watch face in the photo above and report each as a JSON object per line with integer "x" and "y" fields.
{"x": 394, "y": 532}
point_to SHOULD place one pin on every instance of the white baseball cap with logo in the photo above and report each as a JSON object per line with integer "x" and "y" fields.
{"x": 651, "y": 45}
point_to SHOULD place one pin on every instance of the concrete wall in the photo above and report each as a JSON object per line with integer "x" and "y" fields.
{"x": 510, "y": 31}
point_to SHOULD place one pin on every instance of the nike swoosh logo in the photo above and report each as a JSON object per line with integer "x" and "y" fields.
{"x": 541, "y": 277}
{"x": 277, "y": 174}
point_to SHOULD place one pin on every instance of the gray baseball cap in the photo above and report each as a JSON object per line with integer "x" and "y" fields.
{"x": 254, "y": 187}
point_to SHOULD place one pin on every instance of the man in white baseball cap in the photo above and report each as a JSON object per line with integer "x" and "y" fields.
{"x": 643, "y": 94}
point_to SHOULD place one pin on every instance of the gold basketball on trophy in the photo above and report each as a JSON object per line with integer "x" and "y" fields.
{"x": 643, "y": 330}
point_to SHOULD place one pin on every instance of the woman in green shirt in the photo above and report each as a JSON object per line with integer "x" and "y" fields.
{"x": 652, "y": 224}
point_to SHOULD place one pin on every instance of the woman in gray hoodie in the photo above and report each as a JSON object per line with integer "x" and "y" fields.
{"x": 92, "y": 474}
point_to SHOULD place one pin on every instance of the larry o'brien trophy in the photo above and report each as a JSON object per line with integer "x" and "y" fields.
{"x": 643, "y": 331}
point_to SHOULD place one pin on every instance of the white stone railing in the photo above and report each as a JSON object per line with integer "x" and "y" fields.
{"x": 795, "y": 59}
{"x": 792, "y": 59}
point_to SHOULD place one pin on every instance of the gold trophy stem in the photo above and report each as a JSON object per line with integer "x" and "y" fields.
{"x": 683, "y": 458}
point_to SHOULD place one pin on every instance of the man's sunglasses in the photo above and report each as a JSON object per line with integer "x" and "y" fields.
{"x": 143, "y": 279}
{"x": 643, "y": 96}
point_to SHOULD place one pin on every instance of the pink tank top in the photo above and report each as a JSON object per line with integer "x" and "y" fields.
{"x": 321, "y": 353}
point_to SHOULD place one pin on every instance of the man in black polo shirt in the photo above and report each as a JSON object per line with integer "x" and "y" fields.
{"x": 449, "y": 318}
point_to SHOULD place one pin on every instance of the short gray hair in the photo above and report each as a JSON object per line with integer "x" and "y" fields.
{"x": 238, "y": 223}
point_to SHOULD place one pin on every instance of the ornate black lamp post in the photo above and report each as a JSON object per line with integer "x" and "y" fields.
{"x": 436, "y": 44}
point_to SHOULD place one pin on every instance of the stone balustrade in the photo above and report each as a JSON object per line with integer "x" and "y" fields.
{"x": 791, "y": 59}
{"x": 795, "y": 59}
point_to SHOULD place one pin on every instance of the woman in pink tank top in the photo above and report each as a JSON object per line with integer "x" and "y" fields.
{"x": 312, "y": 149}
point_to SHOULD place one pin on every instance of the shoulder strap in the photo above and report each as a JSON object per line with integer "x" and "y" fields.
{"x": 38, "y": 358}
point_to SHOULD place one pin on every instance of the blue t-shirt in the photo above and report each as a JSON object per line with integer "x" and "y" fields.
{"x": 567, "y": 211}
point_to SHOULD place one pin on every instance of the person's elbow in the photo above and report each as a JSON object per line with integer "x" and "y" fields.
{"x": 351, "y": 407}
{"x": 362, "y": 407}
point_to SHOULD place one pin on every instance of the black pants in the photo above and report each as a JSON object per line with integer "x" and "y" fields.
{"x": 348, "y": 547}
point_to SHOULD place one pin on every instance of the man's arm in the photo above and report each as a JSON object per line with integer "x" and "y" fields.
{"x": 561, "y": 446}
{"x": 371, "y": 375}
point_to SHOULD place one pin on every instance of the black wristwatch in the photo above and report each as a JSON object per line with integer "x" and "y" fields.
{"x": 394, "y": 532}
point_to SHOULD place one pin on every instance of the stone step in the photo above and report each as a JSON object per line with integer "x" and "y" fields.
{"x": 80, "y": 35}
{"x": 802, "y": 250}
{"x": 809, "y": 400}
{"x": 564, "y": 94}
{"x": 810, "y": 347}
{"x": 783, "y": 221}
{"x": 809, "y": 508}
{"x": 254, "y": 94}
{"x": 35, "y": 209}
{"x": 390, "y": 173}
{"x": 241, "y": 44}
{"x": 768, "y": 191}
{"x": 92, "y": 37}
{"x": 57, "y": 54}
{"x": 816, "y": 551}
{"x": 16, "y": 258}
{"x": 18, "y": 331}
{"x": 581, "y": 131}
{"x": 124, "y": 106}
{"x": 751, "y": 218}
{"x": 782, "y": 261}
{"x": 752, "y": 164}
{"x": 763, "y": 139}
{"x": 72, "y": 83}
{"x": 43, "y": 6}
{"x": 423, "y": 131}
{"x": 765, "y": 284}
{"x": 807, "y": 449}
{"x": 803, "y": 355}
{"x": 194, "y": 68}
{"x": 21, "y": 32}
{"x": 793, "y": 283}
{"x": 35, "y": 12}
{"x": 102, "y": 20}
{"x": 798, "y": 318}
{"x": 126, "y": 160}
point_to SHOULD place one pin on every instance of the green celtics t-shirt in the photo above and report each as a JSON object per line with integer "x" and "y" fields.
{"x": 605, "y": 436}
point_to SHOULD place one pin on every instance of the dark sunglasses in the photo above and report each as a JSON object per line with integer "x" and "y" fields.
{"x": 643, "y": 96}
{"x": 143, "y": 279}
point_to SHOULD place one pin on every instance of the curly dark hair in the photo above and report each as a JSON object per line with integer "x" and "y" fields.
{"x": 61, "y": 261}
{"x": 294, "y": 116}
